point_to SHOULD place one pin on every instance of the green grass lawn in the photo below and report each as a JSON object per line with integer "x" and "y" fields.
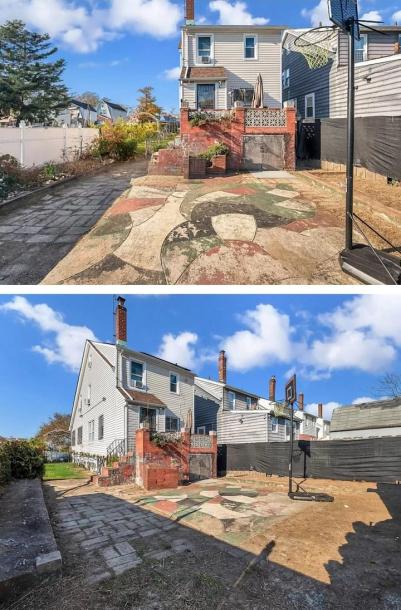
{"x": 64, "y": 471}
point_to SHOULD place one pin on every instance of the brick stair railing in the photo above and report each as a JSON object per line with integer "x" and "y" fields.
{"x": 119, "y": 473}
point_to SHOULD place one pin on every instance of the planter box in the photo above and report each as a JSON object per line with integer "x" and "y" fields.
{"x": 219, "y": 165}
{"x": 195, "y": 168}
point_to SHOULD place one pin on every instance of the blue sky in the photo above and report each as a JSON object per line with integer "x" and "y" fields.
{"x": 338, "y": 345}
{"x": 113, "y": 47}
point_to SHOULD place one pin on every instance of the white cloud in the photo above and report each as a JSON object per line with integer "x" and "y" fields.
{"x": 179, "y": 349}
{"x": 66, "y": 341}
{"x": 396, "y": 17}
{"x": 172, "y": 73}
{"x": 83, "y": 28}
{"x": 235, "y": 13}
{"x": 328, "y": 408}
{"x": 267, "y": 340}
{"x": 372, "y": 16}
{"x": 318, "y": 14}
{"x": 363, "y": 399}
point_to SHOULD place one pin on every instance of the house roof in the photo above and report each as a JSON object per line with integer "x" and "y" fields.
{"x": 370, "y": 415}
{"x": 116, "y": 106}
{"x": 203, "y": 73}
{"x": 141, "y": 398}
{"x": 83, "y": 105}
{"x": 206, "y": 28}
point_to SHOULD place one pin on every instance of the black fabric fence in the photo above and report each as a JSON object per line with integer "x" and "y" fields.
{"x": 377, "y": 143}
{"x": 375, "y": 459}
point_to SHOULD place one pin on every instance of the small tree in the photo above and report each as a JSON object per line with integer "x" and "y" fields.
{"x": 89, "y": 97}
{"x": 55, "y": 431}
{"x": 147, "y": 104}
{"x": 31, "y": 88}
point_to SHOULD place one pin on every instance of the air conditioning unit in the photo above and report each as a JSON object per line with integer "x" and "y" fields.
{"x": 206, "y": 60}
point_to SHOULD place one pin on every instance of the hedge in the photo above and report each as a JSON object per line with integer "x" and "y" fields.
{"x": 19, "y": 460}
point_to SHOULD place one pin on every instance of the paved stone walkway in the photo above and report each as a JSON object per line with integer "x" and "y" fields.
{"x": 36, "y": 235}
{"x": 265, "y": 228}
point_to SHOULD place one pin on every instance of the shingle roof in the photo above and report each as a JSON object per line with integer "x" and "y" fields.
{"x": 142, "y": 398}
{"x": 116, "y": 106}
{"x": 369, "y": 415}
{"x": 203, "y": 73}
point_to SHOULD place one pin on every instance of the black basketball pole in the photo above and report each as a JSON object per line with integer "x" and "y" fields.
{"x": 291, "y": 450}
{"x": 349, "y": 208}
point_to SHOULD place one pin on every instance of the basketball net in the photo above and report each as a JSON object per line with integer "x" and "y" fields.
{"x": 317, "y": 45}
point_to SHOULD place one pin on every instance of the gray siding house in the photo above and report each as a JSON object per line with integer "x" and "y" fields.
{"x": 220, "y": 64}
{"x": 321, "y": 93}
{"x": 111, "y": 111}
{"x": 120, "y": 389}
{"x": 77, "y": 114}
{"x": 236, "y": 415}
{"x": 367, "y": 420}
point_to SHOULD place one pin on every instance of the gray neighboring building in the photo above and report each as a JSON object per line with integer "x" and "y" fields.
{"x": 367, "y": 420}
{"x": 321, "y": 93}
{"x": 238, "y": 416}
{"x": 110, "y": 111}
{"x": 77, "y": 114}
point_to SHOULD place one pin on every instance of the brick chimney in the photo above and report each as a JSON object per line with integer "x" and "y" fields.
{"x": 320, "y": 410}
{"x": 300, "y": 402}
{"x": 222, "y": 367}
{"x": 189, "y": 12}
{"x": 272, "y": 388}
{"x": 121, "y": 322}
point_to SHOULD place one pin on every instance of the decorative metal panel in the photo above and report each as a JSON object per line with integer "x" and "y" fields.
{"x": 265, "y": 117}
{"x": 201, "y": 441}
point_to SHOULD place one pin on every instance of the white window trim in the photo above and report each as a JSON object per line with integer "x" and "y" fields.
{"x": 274, "y": 426}
{"x": 234, "y": 401}
{"x": 285, "y": 80}
{"x": 197, "y": 57}
{"x": 178, "y": 383}
{"x": 171, "y": 417}
{"x": 248, "y": 401}
{"x": 98, "y": 427}
{"x": 201, "y": 430}
{"x": 91, "y": 431}
{"x": 310, "y": 95}
{"x": 255, "y": 37}
{"x": 144, "y": 375}
{"x": 216, "y": 94}
{"x": 364, "y": 37}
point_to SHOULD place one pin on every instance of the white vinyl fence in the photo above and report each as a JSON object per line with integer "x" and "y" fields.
{"x": 39, "y": 145}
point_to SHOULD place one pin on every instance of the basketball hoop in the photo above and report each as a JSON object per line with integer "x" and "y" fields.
{"x": 317, "y": 45}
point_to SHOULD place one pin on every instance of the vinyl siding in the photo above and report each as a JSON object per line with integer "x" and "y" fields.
{"x": 207, "y": 410}
{"x": 370, "y": 433}
{"x": 212, "y": 387}
{"x": 102, "y": 378}
{"x": 379, "y": 45}
{"x": 241, "y": 73}
{"x": 253, "y": 428}
{"x": 276, "y": 437}
{"x": 157, "y": 378}
{"x": 307, "y": 424}
{"x": 240, "y": 401}
{"x": 133, "y": 424}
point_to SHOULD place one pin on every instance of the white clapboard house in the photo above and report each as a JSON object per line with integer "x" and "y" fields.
{"x": 119, "y": 389}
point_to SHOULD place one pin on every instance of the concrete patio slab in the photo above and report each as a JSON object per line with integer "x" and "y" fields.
{"x": 273, "y": 175}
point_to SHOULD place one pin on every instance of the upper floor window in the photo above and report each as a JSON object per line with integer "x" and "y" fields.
{"x": 286, "y": 78}
{"x": 361, "y": 48}
{"x": 137, "y": 374}
{"x": 100, "y": 427}
{"x": 91, "y": 431}
{"x": 204, "y": 49}
{"x": 248, "y": 401}
{"x": 231, "y": 400}
{"x": 274, "y": 424}
{"x": 250, "y": 47}
{"x": 174, "y": 383}
{"x": 310, "y": 106}
{"x": 89, "y": 395}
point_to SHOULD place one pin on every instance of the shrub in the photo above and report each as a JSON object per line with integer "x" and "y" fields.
{"x": 20, "y": 460}
{"x": 214, "y": 151}
{"x": 202, "y": 117}
{"x": 120, "y": 140}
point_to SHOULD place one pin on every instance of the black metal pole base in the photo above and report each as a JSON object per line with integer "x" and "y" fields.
{"x": 305, "y": 496}
{"x": 371, "y": 266}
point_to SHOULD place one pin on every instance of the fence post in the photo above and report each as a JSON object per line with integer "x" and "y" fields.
{"x": 65, "y": 143}
{"x": 21, "y": 143}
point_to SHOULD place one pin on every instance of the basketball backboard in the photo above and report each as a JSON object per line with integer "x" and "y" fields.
{"x": 291, "y": 390}
{"x": 342, "y": 12}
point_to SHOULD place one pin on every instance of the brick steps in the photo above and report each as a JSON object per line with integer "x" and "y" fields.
{"x": 121, "y": 471}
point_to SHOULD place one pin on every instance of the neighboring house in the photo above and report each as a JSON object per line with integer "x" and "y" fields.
{"x": 312, "y": 427}
{"x": 77, "y": 114}
{"x": 236, "y": 415}
{"x": 220, "y": 64}
{"x": 322, "y": 93}
{"x": 111, "y": 112}
{"x": 120, "y": 389}
{"x": 367, "y": 420}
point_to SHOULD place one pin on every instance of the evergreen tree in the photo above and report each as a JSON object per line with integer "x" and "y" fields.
{"x": 31, "y": 88}
{"x": 147, "y": 104}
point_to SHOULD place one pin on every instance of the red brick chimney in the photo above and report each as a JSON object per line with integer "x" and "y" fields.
{"x": 121, "y": 321}
{"x": 272, "y": 388}
{"x": 222, "y": 367}
{"x": 320, "y": 410}
{"x": 300, "y": 402}
{"x": 189, "y": 11}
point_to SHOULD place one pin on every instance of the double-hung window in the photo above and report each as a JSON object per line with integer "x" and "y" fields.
{"x": 91, "y": 431}
{"x": 361, "y": 48}
{"x": 310, "y": 106}
{"x": 250, "y": 47}
{"x": 73, "y": 438}
{"x": 248, "y": 401}
{"x": 286, "y": 78}
{"x": 274, "y": 424}
{"x": 171, "y": 424}
{"x": 100, "y": 427}
{"x": 137, "y": 374}
{"x": 204, "y": 50}
{"x": 79, "y": 436}
{"x": 174, "y": 383}
{"x": 231, "y": 400}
